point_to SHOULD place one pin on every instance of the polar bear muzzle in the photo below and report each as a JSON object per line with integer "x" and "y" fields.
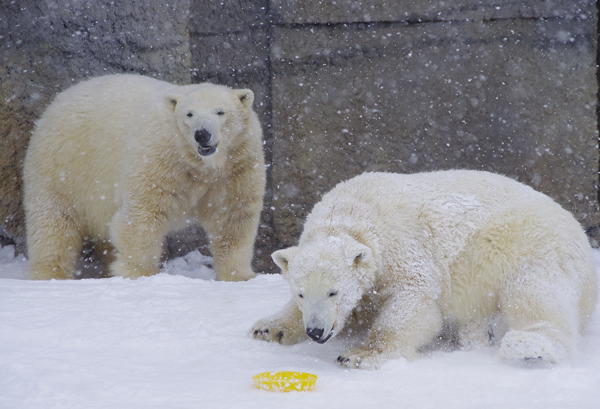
{"x": 316, "y": 334}
{"x": 203, "y": 137}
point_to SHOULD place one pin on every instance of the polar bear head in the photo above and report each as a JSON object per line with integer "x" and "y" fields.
{"x": 327, "y": 277}
{"x": 210, "y": 116}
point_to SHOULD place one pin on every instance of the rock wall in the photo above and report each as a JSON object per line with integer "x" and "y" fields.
{"x": 496, "y": 88}
{"x": 341, "y": 88}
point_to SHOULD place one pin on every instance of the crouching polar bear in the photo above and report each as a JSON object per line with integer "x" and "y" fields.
{"x": 411, "y": 255}
{"x": 122, "y": 160}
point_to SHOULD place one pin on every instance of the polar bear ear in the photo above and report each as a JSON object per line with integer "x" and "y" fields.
{"x": 283, "y": 257}
{"x": 357, "y": 254}
{"x": 171, "y": 100}
{"x": 245, "y": 96}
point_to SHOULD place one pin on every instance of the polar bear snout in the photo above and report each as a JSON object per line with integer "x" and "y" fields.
{"x": 316, "y": 334}
{"x": 319, "y": 327}
{"x": 204, "y": 139}
{"x": 202, "y": 136}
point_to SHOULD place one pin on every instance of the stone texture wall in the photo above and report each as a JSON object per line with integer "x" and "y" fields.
{"x": 506, "y": 93}
{"x": 341, "y": 87}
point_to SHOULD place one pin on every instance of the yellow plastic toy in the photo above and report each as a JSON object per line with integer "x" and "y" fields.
{"x": 284, "y": 381}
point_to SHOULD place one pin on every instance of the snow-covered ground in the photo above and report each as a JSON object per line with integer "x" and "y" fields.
{"x": 179, "y": 340}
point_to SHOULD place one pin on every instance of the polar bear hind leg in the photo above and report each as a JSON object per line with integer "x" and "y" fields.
{"x": 542, "y": 318}
{"x": 54, "y": 240}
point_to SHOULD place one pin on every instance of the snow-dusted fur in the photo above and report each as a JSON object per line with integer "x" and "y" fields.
{"x": 412, "y": 254}
{"x": 123, "y": 159}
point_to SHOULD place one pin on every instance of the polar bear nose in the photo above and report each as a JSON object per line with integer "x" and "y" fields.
{"x": 202, "y": 136}
{"x": 315, "y": 333}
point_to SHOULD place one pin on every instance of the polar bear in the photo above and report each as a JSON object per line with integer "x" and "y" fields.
{"x": 122, "y": 160}
{"x": 412, "y": 255}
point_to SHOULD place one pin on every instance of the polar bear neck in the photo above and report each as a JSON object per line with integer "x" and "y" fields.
{"x": 343, "y": 216}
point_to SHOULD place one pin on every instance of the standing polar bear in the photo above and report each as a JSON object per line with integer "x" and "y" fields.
{"x": 410, "y": 255}
{"x": 122, "y": 160}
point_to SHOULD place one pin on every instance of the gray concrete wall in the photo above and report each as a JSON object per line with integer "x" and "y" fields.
{"x": 403, "y": 86}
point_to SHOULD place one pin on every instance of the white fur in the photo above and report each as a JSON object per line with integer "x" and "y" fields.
{"x": 412, "y": 254}
{"x": 114, "y": 160}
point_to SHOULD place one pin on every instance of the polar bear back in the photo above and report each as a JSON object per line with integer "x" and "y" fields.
{"x": 106, "y": 105}
{"x": 457, "y": 192}
{"x": 450, "y": 204}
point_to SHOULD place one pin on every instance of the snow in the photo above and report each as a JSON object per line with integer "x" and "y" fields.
{"x": 179, "y": 340}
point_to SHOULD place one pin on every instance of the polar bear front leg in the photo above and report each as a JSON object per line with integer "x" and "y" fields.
{"x": 137, "y": 236}
{"x": 232, "y": 231}
{"x": 285, "y": 327}
{"x": 232, "y": 244}
{"x": 405, "y": 323}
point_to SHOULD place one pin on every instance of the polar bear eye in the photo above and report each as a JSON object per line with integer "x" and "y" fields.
{"x": 300, "y": 296}
{"x": 220, "y": 112}
{"x": 333, "y": 293}
{"x": 190, "y": 114}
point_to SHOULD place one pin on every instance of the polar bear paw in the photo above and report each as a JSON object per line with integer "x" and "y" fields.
{"x": 274, "y": 331}
{"x": 359, "y": 359}
{"x": 235, "y": 275}
{"x": 530, "y": 348}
